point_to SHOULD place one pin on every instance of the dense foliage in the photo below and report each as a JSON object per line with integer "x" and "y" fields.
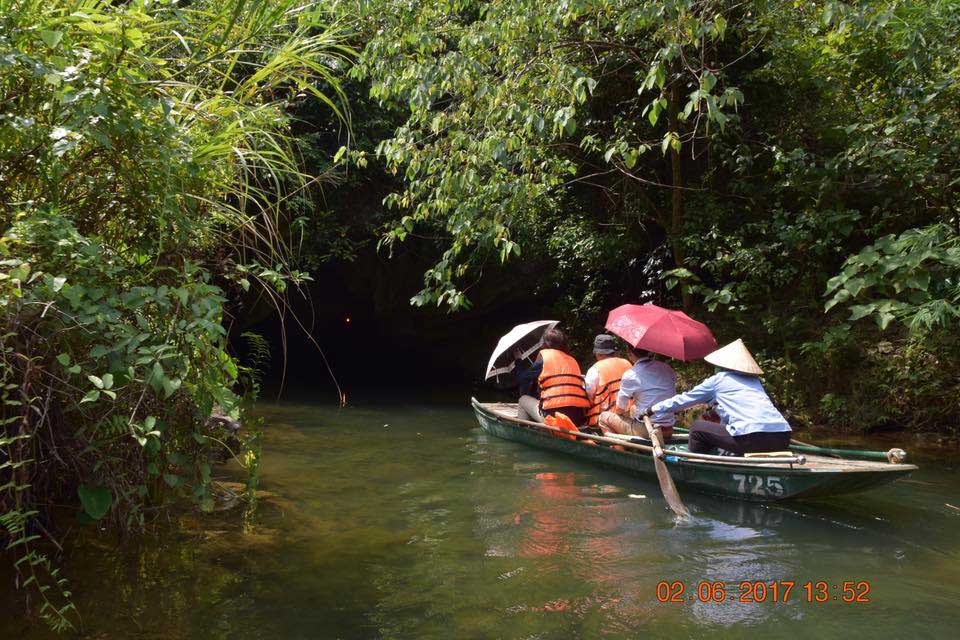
{"x": 787, "y": 171}
{"x": 765, "y": 161}
{"x": 145, "y": 156}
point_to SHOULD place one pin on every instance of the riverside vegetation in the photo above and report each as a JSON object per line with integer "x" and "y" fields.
{"x": 789, "y": 171}
{"x": 144, "y": 159}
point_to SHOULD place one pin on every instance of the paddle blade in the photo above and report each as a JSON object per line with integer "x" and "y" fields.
{"x": 669, "y": 489}
{"x": 667, "y": 486}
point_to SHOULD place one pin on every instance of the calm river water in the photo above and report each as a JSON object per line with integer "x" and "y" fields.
{"x": 406, "y": 521}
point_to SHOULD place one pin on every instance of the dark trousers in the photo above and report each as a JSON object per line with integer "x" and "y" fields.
{"x": 706, "y": 436}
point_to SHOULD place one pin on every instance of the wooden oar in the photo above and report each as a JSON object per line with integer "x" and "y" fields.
{"x": 669, "y": 489}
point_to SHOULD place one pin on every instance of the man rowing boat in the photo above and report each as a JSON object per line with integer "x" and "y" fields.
{"x": 749, "y": 423}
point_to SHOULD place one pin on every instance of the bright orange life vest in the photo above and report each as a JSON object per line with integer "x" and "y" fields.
{"x": 561, "y": 384}
{"x": 561, "y": 421}
{"x": 610, "y": 371}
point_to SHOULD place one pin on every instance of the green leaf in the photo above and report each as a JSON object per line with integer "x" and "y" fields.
{"x": 51, "y": 38}
{"x": 720, "y": 26}
{"x": 835, "y": 282}
{"x": 99, "y": 351}
{"x": 96, "y": 501}
{"x": 861, "y": 311}
{"x": 884, "y": 319}
{"x": 97, "y": 382}
{"x": 708, "y": 81}
{"x": 854, "y": 286}
{"x": 64, "y": 359}
{"x": 172, "y": 479}
{"x": 170, "y": 386}
{"x": 156, "y": 378}
{"x": 653, "y": 115}
{"x": 919, "y": 280}
{"x": 92, "y": 396}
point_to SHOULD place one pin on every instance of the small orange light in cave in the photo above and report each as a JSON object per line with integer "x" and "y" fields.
{"x": 347, "y": 319}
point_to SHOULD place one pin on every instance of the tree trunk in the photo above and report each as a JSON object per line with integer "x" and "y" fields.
{"x": 675, "y": 232}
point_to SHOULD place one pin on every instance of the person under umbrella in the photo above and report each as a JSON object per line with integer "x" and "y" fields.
{"x": 645, "y": 383}
{"x": 649, "y": 329}
{"x": 749, "y": 423}
{"x": 553, "y": 384}
{"x": 519, "y": 343}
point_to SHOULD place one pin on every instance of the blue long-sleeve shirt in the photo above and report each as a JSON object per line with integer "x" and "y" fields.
{"x": 645, "y": 383}
{"x": 742, "y": 404}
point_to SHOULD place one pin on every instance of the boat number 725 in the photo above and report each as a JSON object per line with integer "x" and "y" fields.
{"x": 759, "y": 485}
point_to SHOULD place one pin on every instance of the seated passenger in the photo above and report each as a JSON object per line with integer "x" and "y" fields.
{"x": 749, "y": 423}
{"x": 646, "y": 382}
{"x": 553, "y": 384}
{"x": 603, "y": 378}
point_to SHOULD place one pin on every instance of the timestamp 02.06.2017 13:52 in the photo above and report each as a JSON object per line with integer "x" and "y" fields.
{"x": 747, "y": 591}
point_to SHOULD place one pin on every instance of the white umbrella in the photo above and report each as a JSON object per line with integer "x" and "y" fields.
{"x": 526, "y": 337}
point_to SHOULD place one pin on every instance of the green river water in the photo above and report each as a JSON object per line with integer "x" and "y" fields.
{"x": 407, "y": 521}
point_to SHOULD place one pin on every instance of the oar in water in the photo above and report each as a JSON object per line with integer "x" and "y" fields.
{"x": 667, "y": 487}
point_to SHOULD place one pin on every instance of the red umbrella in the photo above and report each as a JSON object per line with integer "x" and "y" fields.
{"x": 669, "y": 333}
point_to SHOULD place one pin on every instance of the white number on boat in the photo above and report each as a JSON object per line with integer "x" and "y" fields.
{"x": 756, "y": 486}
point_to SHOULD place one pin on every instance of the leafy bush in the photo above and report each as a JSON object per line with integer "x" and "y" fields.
{"x": 144, "y": 160}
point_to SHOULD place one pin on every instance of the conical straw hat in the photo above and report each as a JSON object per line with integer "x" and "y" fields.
{"x": 735, "y": 357}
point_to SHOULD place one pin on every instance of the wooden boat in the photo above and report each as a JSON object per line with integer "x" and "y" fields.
{"x": 805, "y": 474}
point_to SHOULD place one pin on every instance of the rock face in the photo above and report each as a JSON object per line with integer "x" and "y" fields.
{"x": 231, "y": 429}
{"x": 220, "y": 419}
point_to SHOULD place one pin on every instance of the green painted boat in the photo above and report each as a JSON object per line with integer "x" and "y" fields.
{"x": 818, "y": 476}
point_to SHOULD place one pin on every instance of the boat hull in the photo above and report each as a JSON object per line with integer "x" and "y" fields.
{"x": 755, "y": 483}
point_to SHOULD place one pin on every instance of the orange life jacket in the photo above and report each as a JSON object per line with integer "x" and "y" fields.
{"x": 561, "y": 384}
{"x": 560, "y": 421}
{"x": 610, "y": 371}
